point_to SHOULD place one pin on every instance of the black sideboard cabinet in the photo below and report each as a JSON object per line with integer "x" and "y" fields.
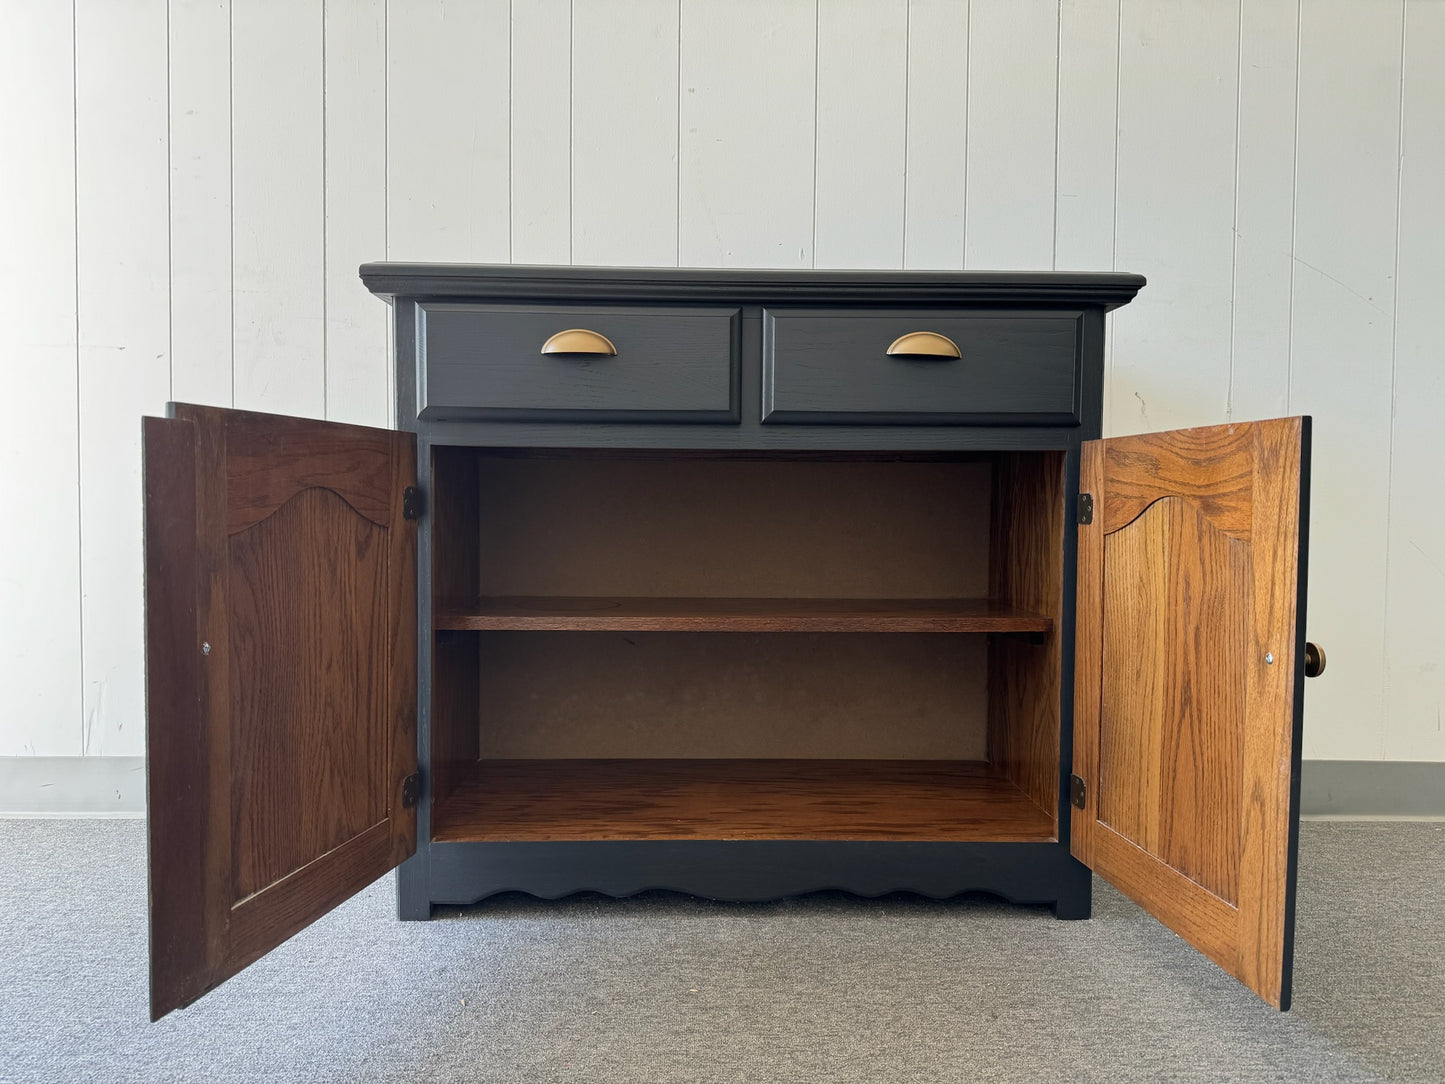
{"x": 737, "y": 583}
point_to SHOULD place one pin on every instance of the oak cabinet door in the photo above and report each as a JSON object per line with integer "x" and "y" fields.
{"x": 281, "y": 681}
{"x": 1189, "y": 683}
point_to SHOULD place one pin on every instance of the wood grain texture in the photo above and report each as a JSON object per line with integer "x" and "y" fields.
{"x": 270, "y": 458}
{"x": 177, "y": 750}
{"x": 308, "y": 625}
{"x": 1185, "y": 735}
{"x": 1026, "y": 568}
{"x": 306, "y": 696}
{"x": 1212, "y": 467}
{"x": 1176, "y": 598}
{"x": 1274, "y": 709}
{"x": 737, "y": 799}
{"x": 564, "y": 614}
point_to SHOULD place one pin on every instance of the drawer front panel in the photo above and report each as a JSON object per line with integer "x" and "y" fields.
{"x": 486, "y": 362}
{"x": 833, "y": 366}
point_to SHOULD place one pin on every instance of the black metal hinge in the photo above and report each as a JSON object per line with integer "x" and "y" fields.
{"x": 411, "y": 790}
{"x": 1086, "y": 509}
{"x": 413, "y": 502}
{"x": 1077, "y": 791}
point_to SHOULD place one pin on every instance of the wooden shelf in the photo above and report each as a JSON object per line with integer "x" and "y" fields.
{"x": 577, "y": 614}
{"x": 537, "y": 800}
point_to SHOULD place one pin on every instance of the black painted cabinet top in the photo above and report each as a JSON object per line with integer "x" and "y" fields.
{"x": 518, "y": 282}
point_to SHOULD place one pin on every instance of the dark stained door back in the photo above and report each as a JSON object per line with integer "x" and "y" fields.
{"x": 281, "y": 680}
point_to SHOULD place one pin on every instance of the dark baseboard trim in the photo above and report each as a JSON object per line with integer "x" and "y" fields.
{"x": 1373, "y": 788}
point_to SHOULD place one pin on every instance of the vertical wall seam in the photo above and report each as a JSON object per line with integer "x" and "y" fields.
{"x": 79, "y": 396}
{"x": 1107, "y": 412}
{"x": 231, "y": 175}
{"x": 907, "y": 143}
{"x": 511, "y": 126}
{"x": 1294, "y": 208}
{"x": 817, "y": 29}
{"x": 571, "y": 82}
{"x": 967, "y": 115}
{"x": 1058, "y": 100}
{"x": 1394, "y": 387}
{"x": 968, "y": 106}
{"x": 1234, "y": 216}
{"x": 386, "y": 141}
{"x": 677, "y": 150}
{"x": 1118, "y": 79}
{"x": 325, "y": 232}
{"x": 386, "y": 200}
{"x": 170, "y": 231}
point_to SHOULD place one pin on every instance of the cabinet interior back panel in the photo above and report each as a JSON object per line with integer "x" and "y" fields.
{"x": 722, "y": 695}
{"x": 733, "y": 528}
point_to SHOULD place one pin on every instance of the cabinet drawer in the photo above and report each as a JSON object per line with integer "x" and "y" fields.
{"x": 834, "y": 365}
{"x": 488, "y": 362}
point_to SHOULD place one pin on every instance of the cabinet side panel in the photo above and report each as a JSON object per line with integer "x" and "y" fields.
{"x": 1026, "y": 568}
{"x": 455, "y": 706}
{"x": 455, "y": 569}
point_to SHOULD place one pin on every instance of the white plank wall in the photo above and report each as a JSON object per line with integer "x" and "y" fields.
{"x": 123, "y": 335}
{"x": 1009, "y": 189}
{"x": 862, "y": 125}
{"x": 1342, "y": 339}
{"x": 40, "y": 666}
{"x": 188, "y": 186}
{"x": 936, "y": 134}
{"x": 1412, "y": 727}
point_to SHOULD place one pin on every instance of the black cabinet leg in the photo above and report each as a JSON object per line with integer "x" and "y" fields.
{"x": 1076, "y": 898}
{"x": 413, "y": 892}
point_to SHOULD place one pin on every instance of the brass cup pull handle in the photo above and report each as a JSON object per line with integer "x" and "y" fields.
{"x": 578, "y": 340}
{"x": 924, "y": 344}
{"x": 1314, "y": 660}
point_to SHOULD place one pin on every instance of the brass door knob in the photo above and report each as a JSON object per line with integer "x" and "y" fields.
{"x": 1314, "y": 660}
{"x": 578, "y": 340}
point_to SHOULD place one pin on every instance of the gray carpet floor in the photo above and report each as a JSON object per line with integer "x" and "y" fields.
{"x": 669, "y": 988}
